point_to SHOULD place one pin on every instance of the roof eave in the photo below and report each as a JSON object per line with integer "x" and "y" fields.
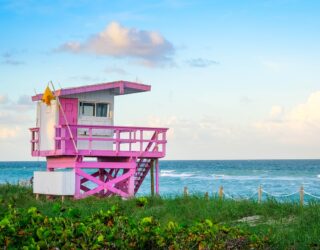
{"x": 122, "y": 85}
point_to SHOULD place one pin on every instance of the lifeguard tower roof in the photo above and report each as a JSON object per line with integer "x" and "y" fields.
{"x": 116, "y": 88}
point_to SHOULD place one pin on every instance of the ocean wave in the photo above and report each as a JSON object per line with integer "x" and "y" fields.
{"x": 193, "y": 175}
{"x": 166, "y": 171}
{"x": 257, "y": 177}
{"x": 235, "y": 177}
{"x": 176, "y": 175}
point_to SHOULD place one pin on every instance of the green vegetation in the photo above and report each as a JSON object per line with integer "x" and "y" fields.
{"x": 154, "y": 223}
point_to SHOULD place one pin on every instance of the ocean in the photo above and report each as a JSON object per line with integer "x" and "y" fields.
{"x": 239, "y": 178}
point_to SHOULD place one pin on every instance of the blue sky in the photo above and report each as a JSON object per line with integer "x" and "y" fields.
{"x": 231, "y": 79}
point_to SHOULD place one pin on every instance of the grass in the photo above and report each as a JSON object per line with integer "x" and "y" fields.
{"x": 287, "y": 225}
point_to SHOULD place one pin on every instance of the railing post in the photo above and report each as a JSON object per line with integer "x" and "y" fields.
{"x": 164, "y": 145}
{"x": 141, "y": 141}
{"x": 259, "y": 194}
{"x": 63, "y": 139}
{"x": 32, "y": 141}
{"x": 117, "y": 140}
{"x": 185, "y": 191}
{"x": 157, "y": 140}
{"x": 130, "y": 140}
{"x": 301, "y": 195}
{"x": 90, "y": 139}
{"x": 221, "y": 192}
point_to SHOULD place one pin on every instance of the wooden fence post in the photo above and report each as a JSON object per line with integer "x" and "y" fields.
{"x": 221, "y": 192}
{"x": 301, "y": 195}
{"x": 260, "y": 194}
{"x": 206, "y": 196}
{"x": 185, "y": 191}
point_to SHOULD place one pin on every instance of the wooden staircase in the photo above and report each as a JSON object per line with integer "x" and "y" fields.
{"x": 143, "y": 167}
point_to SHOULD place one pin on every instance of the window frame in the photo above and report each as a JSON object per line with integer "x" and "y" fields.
{"x": 95, "y": 109}
{"x": 108, "y": 109}
{"x": 81, "y": 107}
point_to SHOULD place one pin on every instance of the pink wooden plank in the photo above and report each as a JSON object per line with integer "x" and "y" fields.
{"x": 91, "y": 192}
{"x": 107, "y": 165}
{"x": 53, "y": 162}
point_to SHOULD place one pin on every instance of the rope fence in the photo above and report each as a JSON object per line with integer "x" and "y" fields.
{"x": 259, "y": 194}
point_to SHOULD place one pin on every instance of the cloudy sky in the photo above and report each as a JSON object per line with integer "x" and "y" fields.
{"x": 231, "y": 79}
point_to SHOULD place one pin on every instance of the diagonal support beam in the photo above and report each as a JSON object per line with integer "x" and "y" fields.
{"x": 109, "y": 185}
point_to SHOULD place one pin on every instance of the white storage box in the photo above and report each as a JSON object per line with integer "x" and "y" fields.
{"x": 54, "y": 183}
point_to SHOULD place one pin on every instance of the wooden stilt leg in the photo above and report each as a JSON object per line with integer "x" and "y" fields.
{"x": 157, "y": 177}
{"x": 152, "y": 177}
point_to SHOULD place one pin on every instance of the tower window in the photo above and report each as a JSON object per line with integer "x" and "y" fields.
{"x": 87, "y": 109}
{"x": 102, "y": 109}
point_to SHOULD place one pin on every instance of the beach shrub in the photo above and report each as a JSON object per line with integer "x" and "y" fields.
{"x": 141, "y": 201}
{"x": 30, "y": 229}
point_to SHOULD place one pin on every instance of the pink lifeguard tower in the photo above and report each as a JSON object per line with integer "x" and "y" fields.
{"x": 86, "y": 154}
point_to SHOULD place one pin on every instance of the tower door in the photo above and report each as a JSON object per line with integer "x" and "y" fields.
{"x": 68, "y": 115}
{"x": 70, "y": 109}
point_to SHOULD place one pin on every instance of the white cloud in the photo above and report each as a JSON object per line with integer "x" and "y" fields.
{"x": 206, "y": 138}
{"x": 118, "y": 41}
{"x": 300, "y": 125}
{"x": 3, "y": 99}
{"x": 16, "y": 117}
{"x": 25, "y": 100}
{"x": 115, "y": 70}
{"x": 201, "y": 62}
{"x": 9, "y": 132}
{"x": 9, "y": 60}
{"x": 276, "y": 113}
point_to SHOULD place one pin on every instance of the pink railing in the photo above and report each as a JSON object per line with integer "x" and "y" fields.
{"x": 34, "y": 139}
{"x": 105, "y": 140}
